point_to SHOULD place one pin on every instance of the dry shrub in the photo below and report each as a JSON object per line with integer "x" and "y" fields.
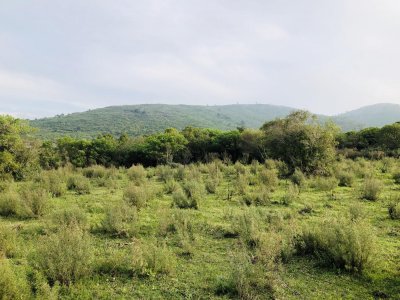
{"x": 137, "y": 174}
{"x": 120, "y": 220}
{"x": 138, "y": 196}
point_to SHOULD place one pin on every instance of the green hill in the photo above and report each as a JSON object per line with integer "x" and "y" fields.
{"x": 142, "y": 119}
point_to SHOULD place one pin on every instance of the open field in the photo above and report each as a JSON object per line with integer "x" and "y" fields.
{"x": 202, "y": 231}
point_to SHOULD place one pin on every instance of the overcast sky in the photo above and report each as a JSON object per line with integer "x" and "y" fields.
{"x": 326, "y": 56}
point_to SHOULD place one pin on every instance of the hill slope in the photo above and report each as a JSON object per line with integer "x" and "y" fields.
{"x": 146, "y": 119}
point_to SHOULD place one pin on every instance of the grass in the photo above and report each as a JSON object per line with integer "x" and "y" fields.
{"x": 223, "y": 249}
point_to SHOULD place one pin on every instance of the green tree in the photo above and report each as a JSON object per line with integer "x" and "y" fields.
{"x": 301, "y": 142}
{"x": 17, "y": 155}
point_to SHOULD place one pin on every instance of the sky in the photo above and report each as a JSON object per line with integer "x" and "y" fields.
{"x": 325, "y": 56}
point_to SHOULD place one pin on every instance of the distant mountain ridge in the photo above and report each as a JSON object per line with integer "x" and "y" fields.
{"x": 145, "y": 119}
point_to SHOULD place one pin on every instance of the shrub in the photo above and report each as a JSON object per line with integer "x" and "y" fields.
{"x": 241, "y": 184}
{"x": 95, "y": 172}
{"x": 8, "y": 242}
{"x": 64, "y": 256}
{"x": 212, "y": 185}
{"x": 181, "y": 200}
{"x": 120, "y": 220}
{"x": 346, "y": 178}
{"x": 34, "y": 201}
{"x": 55, "y": 184}
{"x": 325, "y": 183}
{"x": 356, "y": 212}
{"x": 347, "y": 245}
{"x": 171, "y": 186}
{"x": 194, "y": 189}
{"x": 396, "y": 177}
{"x": 150, "y": 259}
{"x": 79, "y": 184}
{"x": 394, "y": 210}
{"x": 13, "y": 285}
{"x": 9, "y": 203}
{"x": 248, "y": 227}
{"x": 137, "y": 174}
{"x": 269, "y": 178}
{"x": 298, "y": 178}
{"x": 371, "y": 189}
{"x": 165, "y": 173}
{"x": 292, "y": 194}
{"x": 73, "y": 216}
{"x": 137, "y": 196}
{"x": 260, "y": 197}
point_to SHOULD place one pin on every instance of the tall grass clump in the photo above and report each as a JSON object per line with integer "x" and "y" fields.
{"x": 8, "y": 242}
{"x": 10, "y": 203}
{"x": 291, "y": 195}
{"x": 340, "y": 243}
{"x": 165, "y": 173}
{"x": 71, "y": 216}
{"x": 346, "y": 178}
{"x": 13, "y": 285}
{"x": 34, "y": 201}
{"x": 138, "y": 196}
{"x": 371, "y": 189}
{"x": 298, "y": 178}
{"x": 151, "y": 258}
{"x": 137, "y": 174}
{"x": 120, "y": 220}
{"x": 268, "y": 178}
{"x": 79, "y": 184}
{"x": 64, "y": 256}
{"x": 396, "y": 177}
{"x": 181, "y": 199}
{"x": 95, "y": 172}
{"x": 394, "y": 209}
{"x": 326, "y": 184}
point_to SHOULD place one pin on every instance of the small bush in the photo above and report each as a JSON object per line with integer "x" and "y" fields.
{"x": 292, "y": 194}
{"x": 356, "y": 212}
{"x": 325, "y": 183}
{"x": 64, "y": 256}
{"x": 10, "y": 203}
{"x": 79, "y": 184}
{"x": 95, "y": 172}
{"x": 298, "y": 178}
{"x": 56, "y": 184}
{"x": 13, "y": 285}
{"x": 73, "y": 216}
{"x": 394, "y": 210}
{"x": 8, "y": 242}
{"x": 241, "y": 184}
{"x": 194, "y": 189}
{"x": 269, "y": 178}
{"x": 371, "y": 189}
{"x": 347, "y": 245}
{"x": 165, "y": 173}
{"x": 346, "y": 178}
{"x": 259, "y": 197}
{"x": 34, "y": 201}
{"x": 137, "y": 174}
{"x": 212, "y": 185}
{"x": 120, "y": 220}
{"x": 150, "y": 259}
{"x": 138, "y": 196}
{"x": 171, "y": 186}
{"x": 396, "y": 177}
{"x": 181, "y": 200}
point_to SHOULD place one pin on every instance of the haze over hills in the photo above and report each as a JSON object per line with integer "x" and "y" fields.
{"x": 147, "y": 119}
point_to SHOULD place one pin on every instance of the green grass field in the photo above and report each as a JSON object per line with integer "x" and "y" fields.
{"x": 242, "y": 241}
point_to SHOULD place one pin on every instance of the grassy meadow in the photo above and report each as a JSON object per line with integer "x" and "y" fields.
{"x": 203, "y": 231}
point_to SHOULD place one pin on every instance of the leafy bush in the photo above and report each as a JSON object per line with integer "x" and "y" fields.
{"x": 8, "y": 242}
{"x": 347, "y": 245}
{"x": 269, "y": 178}
{"x": 292, "y": 194}
{"x": 79, "y": 184}
{"x": 260, "y": 197}
{"x": 396, "y": 177}
{"x": 194, "y": 189}
{"x": 298, "y": 178}
{"x": 181, "y": 200}
{"x": 13, "y": 285}
{"x": 95, "y": 171}
{"x": 165, "y": 173}
{"x": 171, "y": 186}
{"x": 346, "y": 178}
{"x": 138, "y": 196}
{"x": 64, "y": 256}
{"x": 10, "y": 203}
{"x": 371, "y": 189}
{"x": 394, "y": 210}
{"x": 150, "y": 258}
{"x": 120, "y": 220}
{"x": 325, "y": 183}
{"x": 55, "y": 184}
{"x": 34, "y": 201}
{"x": 137, "y": 174}
{"x": 72, "y": 216}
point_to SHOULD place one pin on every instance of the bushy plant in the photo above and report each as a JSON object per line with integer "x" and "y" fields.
{"x": 171, "y": 186}
{"x": 71, "y": 216}
{"x": 181, "y": 200}
{"x": 150, "y": 258}
{"x": 55, "y": 184}
{"x": 324, "y": 183}
{"x": 298, "y": 178}
{"x": 211, "y": 185}
{"x": 165, "y": 173}
{"x": 8, "y": 242}
{"x": 137, "y": 174}
{"x": 394, "y": 210}
{"x": 34, "y": 201}
{"x": 371, "y": 189}
{"x": 138, "y": 196}
{"x": 79, "y": 184}
{"x": 269, "y": 178}
{"x": 291, "y": 195}
{"x": 260, "y": 197}
{"x": 95, "y": 171}
{"x": 13, "y": 285}
{"x": 346, "y": 178}
{"x": 347, "y": 245}
{"x": 396, "y": 177}
{"x": 64, "y": 256}
{"x": 194, "y": 189}
{"x": 120, "y": 220}
{"x": 241, "y": 184}
{"x": 10, "y": 203}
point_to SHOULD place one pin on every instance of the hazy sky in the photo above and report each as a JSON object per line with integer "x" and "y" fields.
{"x": 326, "y": 56}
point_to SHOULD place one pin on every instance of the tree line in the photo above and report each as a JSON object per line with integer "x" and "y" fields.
{"x": 298, "y": 140}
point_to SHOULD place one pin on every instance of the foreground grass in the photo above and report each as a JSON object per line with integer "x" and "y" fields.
{"x": 204, "y": 253}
